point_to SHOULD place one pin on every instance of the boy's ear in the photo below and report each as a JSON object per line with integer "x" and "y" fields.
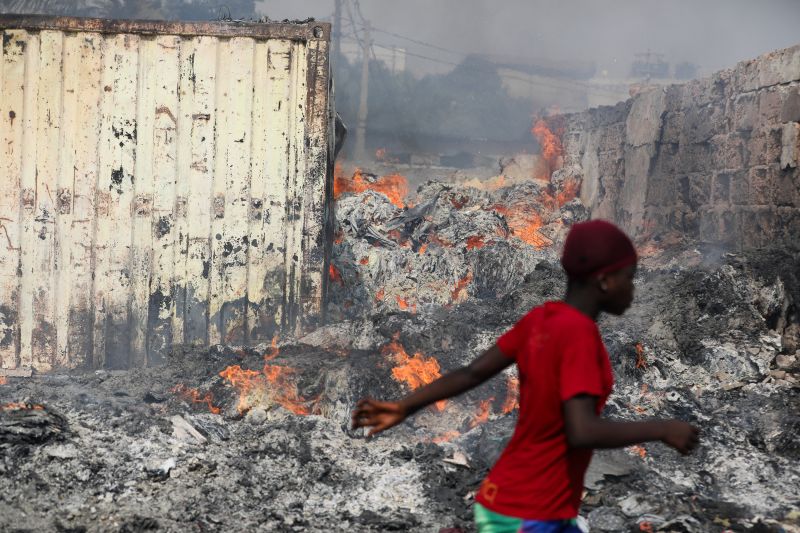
{"x": 602, "y": 282}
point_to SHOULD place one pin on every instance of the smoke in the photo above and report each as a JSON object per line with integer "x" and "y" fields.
{"x": 713, "y": 34}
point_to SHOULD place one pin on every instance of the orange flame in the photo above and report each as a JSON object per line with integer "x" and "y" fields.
{"x": 423, "y": 248}
{"x": 569, "y": 190}
{"x": 512, "y": 395}
{"x": 476, "y": 241}
{"x": 460, "y": 286}
{"x": 483, "y": 413}
{"x": 334, "y": 274}
{"x": 363, "y": 261}
{"x": 245, "y": 381}
{"x": 551, "y": 146}
{"x": 279, "y": 376}
{"x": 273, "y": 349}
{"x": 194, "y": 396}
{"x": 273, "y": 382}
{"x": 638, "y": 450}
{"x": 641, "y": 360}
{"x": 394, "y": 186}
{"x": 525, "y": 224}
{"x": 404, "y": 305}
{"x": 18, "y": 406}
{"x": 415, "y": 371}
{"x": 379, "y": 295}
{"x": 3, "y": 380}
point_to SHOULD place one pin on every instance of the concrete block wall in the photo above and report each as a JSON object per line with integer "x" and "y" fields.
{"x": 715, "y": 159}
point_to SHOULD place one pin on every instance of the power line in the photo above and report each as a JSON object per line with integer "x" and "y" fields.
{"x": 421, "y": 43}
{"x": 465, "y": 54}
{"x": 534, "y": 83}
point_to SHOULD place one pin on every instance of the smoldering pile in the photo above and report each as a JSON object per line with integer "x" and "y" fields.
{"x": 451, "y": 244}
{"x": 256, "y": 438}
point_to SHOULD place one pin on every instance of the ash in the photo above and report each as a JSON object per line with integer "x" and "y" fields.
{"x": 256, "y": 438}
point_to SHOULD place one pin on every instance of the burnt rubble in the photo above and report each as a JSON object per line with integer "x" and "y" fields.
{"x": 712, "y": 338}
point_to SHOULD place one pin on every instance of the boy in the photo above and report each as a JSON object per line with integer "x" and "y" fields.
{"x": 565, "y": 380}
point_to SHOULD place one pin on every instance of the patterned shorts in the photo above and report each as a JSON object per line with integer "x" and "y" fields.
{"x": 491, "y": 522}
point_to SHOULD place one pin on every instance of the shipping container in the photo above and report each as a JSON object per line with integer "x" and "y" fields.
{"x": 162, "y": 184}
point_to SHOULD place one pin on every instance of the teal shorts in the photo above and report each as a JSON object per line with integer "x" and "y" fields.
{"x": 491, "y": 522}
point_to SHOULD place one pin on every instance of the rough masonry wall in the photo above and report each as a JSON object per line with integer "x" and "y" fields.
{"x": 715, "y": 159}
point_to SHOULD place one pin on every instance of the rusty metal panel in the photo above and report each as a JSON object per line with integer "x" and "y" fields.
{"x": 163, "y": 184}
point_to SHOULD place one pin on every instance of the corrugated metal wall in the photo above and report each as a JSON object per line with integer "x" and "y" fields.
{"x": 162, "y": 184}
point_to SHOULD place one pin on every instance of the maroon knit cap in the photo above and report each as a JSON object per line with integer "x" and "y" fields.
{"x": 596, "y": 247}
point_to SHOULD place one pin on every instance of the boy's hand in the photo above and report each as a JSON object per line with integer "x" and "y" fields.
{"x": 680, "y": 435}
{"x": 379, "y": 416}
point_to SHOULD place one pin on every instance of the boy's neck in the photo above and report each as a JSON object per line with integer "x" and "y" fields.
{"x": 584, "y": 301}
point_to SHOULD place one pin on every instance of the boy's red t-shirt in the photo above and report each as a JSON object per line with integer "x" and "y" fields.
{"x": 559, "y": 354}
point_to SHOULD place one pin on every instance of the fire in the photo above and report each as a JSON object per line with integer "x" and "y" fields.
{"x": 334, "y": 274}
{"x": 380, "y": 294}
{"x": 274, "y": 383}
{"x": 483, "y": 413}
{"x": 551, "y": 146}
{"x": 194, "y": 396}
{"x": 525, "y": 224}
{"x": 476, "y": 241}
{"x": 423, "y": 248}
{"x": 279, "y": 376}
{"x": 460, "y": 286}
{"x": 273, "y": 349}
{"x": 363, "y": 261}
{"x": 638, "y": 450}
{"x": 404, "y": 305}
{"x": 338, "y": 238}
{"x": 570, "y": 189}
{"x": 641, "y": 360}
{"x": 246, "y": 381}
{"x": 394, "y": 186}
{"x": 646, "y": 526}
{"x": 3, "y": 380}
{"x": 18, "y": 406}
{"x": 447, "y": 437}
{"x": 415, "y": 371}
{"x": 512, "y": 395}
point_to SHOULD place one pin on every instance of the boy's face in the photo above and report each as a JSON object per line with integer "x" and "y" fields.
{"x": 618, "y": 290}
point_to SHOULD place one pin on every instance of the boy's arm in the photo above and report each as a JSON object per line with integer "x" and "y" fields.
{"x": 383, "y": 415}
{"x": 587, "y": 430}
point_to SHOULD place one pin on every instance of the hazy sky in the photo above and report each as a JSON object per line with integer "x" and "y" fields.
{"x": 711, "y": 33}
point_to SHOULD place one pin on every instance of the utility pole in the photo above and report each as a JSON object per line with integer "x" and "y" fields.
{"x": 361, "y": 127}
{"x": 337, "y": 31}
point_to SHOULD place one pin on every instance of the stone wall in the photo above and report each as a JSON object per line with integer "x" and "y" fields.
{"x": 715, "y": 159}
